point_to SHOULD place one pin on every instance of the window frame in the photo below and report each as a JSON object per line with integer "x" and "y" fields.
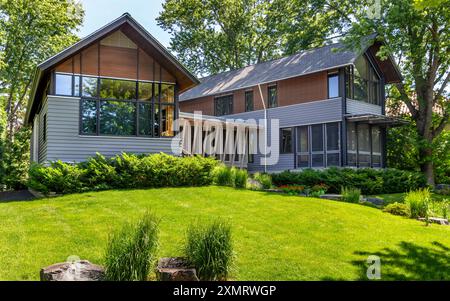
{"x": 282, "y": 150}
{"x": 331, "y": 75}
{"x": 228, "y": 97}
{"x": 246, "y": 100}
{"x": 269, "y": 88}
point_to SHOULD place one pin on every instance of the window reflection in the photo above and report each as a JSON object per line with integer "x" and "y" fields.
{"x": 117, "y": 89}
{"x": 63, "y": 84}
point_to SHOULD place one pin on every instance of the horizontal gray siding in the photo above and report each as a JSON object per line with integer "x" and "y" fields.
{"x": 314, "y": 112}
{"x": 42, "y": 145}
{"x": 65, "y": 143}
{"x": 361, "y": 107}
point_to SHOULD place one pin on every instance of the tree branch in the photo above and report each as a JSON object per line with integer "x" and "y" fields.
{"x": 441, "y": 90}
{"x": 405, "y": 98}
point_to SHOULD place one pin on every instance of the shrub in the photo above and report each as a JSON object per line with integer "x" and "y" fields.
{"x": 370, "y": 181}
{"x": 209, "y": 249}
{"x": 223, "y": 176}
{"x": 264, "y": 179}
{"x": 351, "y": 195}
{"x": 239, "y": 177}
{"x": 131, "y": 251}
{"x": 292, "y": 189}
{"x": 122, "y": 171}
{"x": 418, "y": 202}
{"x": 398, "y": 209}
{"x": 59, "y": 177}
{"x": 439, "y": 208}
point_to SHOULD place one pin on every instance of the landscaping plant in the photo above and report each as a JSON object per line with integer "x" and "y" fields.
{"x": 351, "y": 195}
{"x": 398, "y": 209}
{"x": 222, "y": 175}
{"x": 418, "y": 202}
{"x": 264, "y": 179}
{"x": 239, "y": 177}
{"x": 131, "y": 251}
{"x": 209, "y": 249}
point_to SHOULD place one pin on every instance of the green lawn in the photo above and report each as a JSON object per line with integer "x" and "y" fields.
{"x": 399, "y": 197}
{"x": 276, "y": 237}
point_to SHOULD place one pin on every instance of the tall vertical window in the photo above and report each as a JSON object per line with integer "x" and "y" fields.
{"x": 376, "y": 146}
{"x": 63, "y": 84}
{"x": 351, "y": 144}
{"x": 44, "y": 128}
{"x": 224, "y": 105}
{"x": 286, "y": 141}
{"x": 363, "y": 145}
{"x": 248, "y": 101}
{"x": 363, "y": 82}
{"x": 317, "y": 146}
{"x": 333, "y": 142}
{"x": 302, "y": 147}
{"x": 333, "y": 85}
{"x": 272, "y": 97}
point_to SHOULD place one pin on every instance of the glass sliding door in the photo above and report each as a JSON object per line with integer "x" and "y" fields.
{"x": 302, "y": 147}
{"x": 317, "y": 146}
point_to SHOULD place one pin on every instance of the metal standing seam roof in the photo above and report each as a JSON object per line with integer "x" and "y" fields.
{"x": 302, "y": 63}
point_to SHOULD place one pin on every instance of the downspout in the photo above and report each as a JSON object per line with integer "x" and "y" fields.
{"x": 265, "y": 127}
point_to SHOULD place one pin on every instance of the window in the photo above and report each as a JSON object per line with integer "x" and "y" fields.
{"x": 63, "y": 84}
{"x": 302, "y": 147}
{"x": 333, "y": 142}
{"x": 117, "y": 89}
{"x": 376, "y": 146}
{"x": 145, "y": 91}
{"x": 363, "y": 82}
{"x": 363, "y": 136}
{"x": 333, "y": 85}
{"x": 89, "y": 86}
{"x": 76, "y": 85}
{"x": 286, "y": 141}
{"x": 167, "y": 93}
{"x": 126, "y": 108}
{"x": 224, "y": 105}
{"x": 248, "y": 101}
{"x": 88, "y": 116}
{"x": 117, "y": 118}
{"x": 44, "y": 128}
{"x": 351, "y": 144}
{"x": 317, "y": 147}
{"x": 272, "y": 97}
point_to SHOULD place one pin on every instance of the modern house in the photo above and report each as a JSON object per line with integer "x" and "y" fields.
{"x": 119, "y": 90}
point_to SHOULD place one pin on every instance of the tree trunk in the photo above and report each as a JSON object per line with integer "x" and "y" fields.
{"x": 426, "y": 166}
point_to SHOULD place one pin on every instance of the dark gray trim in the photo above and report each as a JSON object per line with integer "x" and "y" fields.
{"x": 343, "y": 91}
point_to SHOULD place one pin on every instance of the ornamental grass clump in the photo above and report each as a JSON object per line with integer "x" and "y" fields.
{"x": 131, "y": 251}
{"x": 209, "y": 249}
{"x": 264, "y": 179}
{"x": 418, "y": 202}
{"x": 239, "y": 177}
{"x": 351, "y": 195}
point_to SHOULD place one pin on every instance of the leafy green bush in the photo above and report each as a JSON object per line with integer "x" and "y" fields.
{"x": 264, "y": 179}
{"x": 439, "y": 208}
{"x": 122, "y": 171}
{"x": 351, "y": 195}
{"x": 398, "y": 209}
{"x": 131, "y": 251}
{"x": 418, "y": 202}
{"x": 209, "y": 249}
{"x": 223, "y": 176}
{"x": 59, "y": 177}
{"x": 239, "y": 177}
{"x": 369, "y": 180}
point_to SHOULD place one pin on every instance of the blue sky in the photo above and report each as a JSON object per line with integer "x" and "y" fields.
{"x": 101, "y": 12}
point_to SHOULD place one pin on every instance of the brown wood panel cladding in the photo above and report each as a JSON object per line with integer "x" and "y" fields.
{"x": 204, "y": 104}
{"x": 89, "y": 60}
{"x": 166, "y": 76}
{"x": 303, "y": 89}
{"x": 65, "y": 66}
{"x": 118, "y": 62}
{"x": 296, "y": 90}
{"x": 77, "y": 64}
{"x": 145, "y": 66}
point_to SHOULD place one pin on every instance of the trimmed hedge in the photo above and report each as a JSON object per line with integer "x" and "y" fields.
{"x": 122, "y": 171}
{"x": 370, "y": 181}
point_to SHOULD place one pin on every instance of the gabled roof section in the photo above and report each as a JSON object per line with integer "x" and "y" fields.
{"x": 136, "y": 33}
{"x": 303, "y": 63}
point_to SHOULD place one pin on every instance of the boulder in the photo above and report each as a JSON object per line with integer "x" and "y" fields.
{"x": 81, "y": 270}
{"x": 375, "y": 201}
{"x": 436, "y": 220}
{"x": 175, "y": 269}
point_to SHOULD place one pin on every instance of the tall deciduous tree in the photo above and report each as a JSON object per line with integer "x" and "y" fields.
{"x": 417, "y": 33}
{"x": 212, "y": 36}
{"x": 30, "y": 32}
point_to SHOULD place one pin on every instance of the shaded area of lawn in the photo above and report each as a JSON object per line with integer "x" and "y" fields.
{"x": 411, "y": 261}
{"x": 277, "y": 237}
{"x": 399, "y": 197}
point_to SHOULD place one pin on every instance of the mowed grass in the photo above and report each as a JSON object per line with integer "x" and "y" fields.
{"x": 276, "y": 237}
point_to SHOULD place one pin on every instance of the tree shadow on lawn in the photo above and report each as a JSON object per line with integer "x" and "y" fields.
{"x": 409, "y": 262}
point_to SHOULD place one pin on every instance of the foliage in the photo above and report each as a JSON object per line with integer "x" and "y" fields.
{"x": 351, "y": 195}
{"x": 132, "y": 250}
{"x": 222, "y": 176}
{"x": 209, "y": 248}
{"x": 398, "y": 209}
{"x": 264, "y": 179}
{"x": 122, "y": 171}
{"x": 370, "y": 181}
{"x": 239, "y": 177}
{"x": 418, "y": 202}
{"x": 217, "y": 35}
{"x": 292, "y": 189}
